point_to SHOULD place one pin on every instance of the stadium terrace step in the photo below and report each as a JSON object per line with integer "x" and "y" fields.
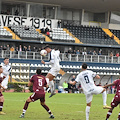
{"x": 76, "y": 39}
{"x": 47, "y": 39}
{"x": 14, "y": 36}
{"x": 108, "y": 32}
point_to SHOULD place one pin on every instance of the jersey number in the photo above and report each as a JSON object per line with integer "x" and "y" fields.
{"x": 40, "y": 82}
{"x": 86, "y": 79}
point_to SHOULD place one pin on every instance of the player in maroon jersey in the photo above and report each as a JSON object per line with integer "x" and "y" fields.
{"x": 1, "y": 95}
{"x": 39, "y": 82}
{"x": 116, "y": 99}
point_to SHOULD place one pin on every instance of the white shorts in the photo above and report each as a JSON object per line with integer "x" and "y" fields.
{"x": 5, "y": 83}
{"x": 54, "y": 71}
{"x": 95, "y": 91}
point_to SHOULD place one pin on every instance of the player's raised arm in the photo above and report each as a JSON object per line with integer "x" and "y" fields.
{"x": 97, "y": 77}
{"x": 111, "y": 84}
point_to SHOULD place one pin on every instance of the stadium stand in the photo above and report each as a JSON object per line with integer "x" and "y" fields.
{"x": 116, "y": 33}
{"x": 59, "y": 35}
{"x": 90, "y": 35}
{"x": 25, "y": 32}
{"x": 4, "y": 33}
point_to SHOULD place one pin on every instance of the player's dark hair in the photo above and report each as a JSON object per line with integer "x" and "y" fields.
{"x": 84, "y": 66}
{"x": 38, "y": 71}
{"x": 0, "y": 66}
{"x": 6, "y": 58}
{"x": 46, "y": 47}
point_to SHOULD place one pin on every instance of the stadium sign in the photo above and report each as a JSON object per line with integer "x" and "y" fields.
{"x": 38, "y": 23}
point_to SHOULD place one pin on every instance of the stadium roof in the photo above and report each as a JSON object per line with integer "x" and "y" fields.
{"x": 90, "y": 5}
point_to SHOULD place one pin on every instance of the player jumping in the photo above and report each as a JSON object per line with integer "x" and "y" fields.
{"x": 55, "y": 67}
{"x": 89, "y": 88}
{"x": 116, "y": 99}
{"x": 39, "y": 82}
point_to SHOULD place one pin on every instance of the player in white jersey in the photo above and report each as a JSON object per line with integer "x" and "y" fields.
{"x": 89, "y": 88}
{"x": 1, "y": 95}
{"x": 55, "y": 67}
{"x": 6, "y": 71}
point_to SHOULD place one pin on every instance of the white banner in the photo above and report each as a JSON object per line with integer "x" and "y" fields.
{"x": 115, "y": 18}
{"x": 38, "y": 23}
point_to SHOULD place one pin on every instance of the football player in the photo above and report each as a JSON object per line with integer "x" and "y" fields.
{"x": 1, "y": 95}
{"x": 116, "y": 99}
{"x": 89, "y": 88}
{"x": 39, "y": 82}
{"x": 55, "y": 67}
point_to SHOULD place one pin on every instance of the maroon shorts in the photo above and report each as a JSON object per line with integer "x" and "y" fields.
{"x": 36, "y": 96}
{"x": 1, "y": 94}
{"x": 114, "y": 103}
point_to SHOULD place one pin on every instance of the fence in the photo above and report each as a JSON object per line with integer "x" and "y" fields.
{"x": 64, "y": 57}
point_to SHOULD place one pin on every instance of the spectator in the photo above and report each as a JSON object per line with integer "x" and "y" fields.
{"x": 111, "y": 54}
{"x": 94, "y": 52}
{"x": 8, "y": 12}
{"x": 112, "y": 37}
{"x": 16, "y": 12}
{"x": 8, "y": 48}
{"x": 99, "y": 53}
{"x": 78, "y": 52}
{"x": 34, "y": 49}
{"x": 29, "y": 48}
{"x": 46, "y": 30}
{"x": 42, "y": 30}
{"x": 20, "y": 49}
{"x": 12, "y": 49}
{"x": 65, "y": 86}
{"x": 90, "y": 52}
{"x": 117, "y": 54}
{"x": 50, "y": 30}
{"x": 16, "y": 50}
{"x": 70, "y": 51}
{"x": 74, "y": 51}
{"x": 39, "y": 49}
{"x": 25, "y": 48}
{"x": 4, "y": 48}
{"x": 73, "y": 86}
{"x": 1, "y": 48}
{"x": 48, "y": 33}
{"x": 59, "y": 23}
{"x": 26, "y": 27}
{"x": 84, "y": 53}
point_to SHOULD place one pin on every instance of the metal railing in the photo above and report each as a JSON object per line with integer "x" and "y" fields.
{"x": 64, "y": 57}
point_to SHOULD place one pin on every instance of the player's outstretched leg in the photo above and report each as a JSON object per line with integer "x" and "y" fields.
{"x": 47, "y": 109}
{"x": 109, "y": 113}
{"x": 52, "y": 88}
{"x": 1, "y": 105}
{"x": 104, "y": 95}
{"x": 25, "y": 107}
{"x": 50, "y": 78}
{"x": 118, "y": 116}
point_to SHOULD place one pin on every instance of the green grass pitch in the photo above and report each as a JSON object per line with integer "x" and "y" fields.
{"x": 64, "y": 107}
